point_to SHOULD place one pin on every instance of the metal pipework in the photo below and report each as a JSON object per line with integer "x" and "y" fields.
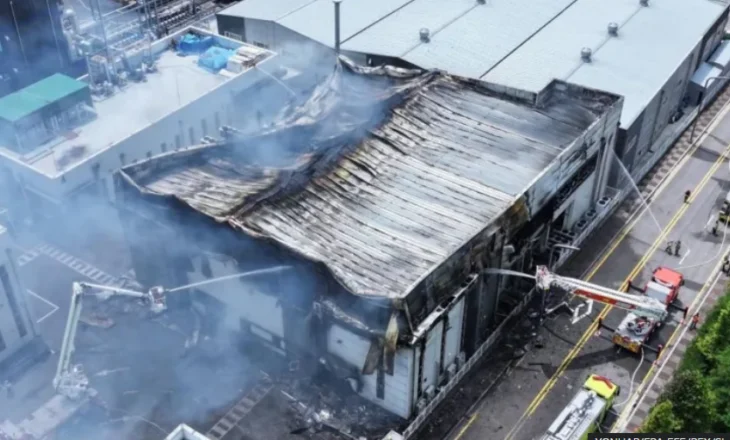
{"x": 337, "y": 25}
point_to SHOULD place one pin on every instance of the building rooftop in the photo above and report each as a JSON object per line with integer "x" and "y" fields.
{"x": 498, "y": 42}
{"x": 29, "y": 100}
{"x": 177, "y": 81}
{"x": 184, "y": 432}
{"x": 387, "y": 176}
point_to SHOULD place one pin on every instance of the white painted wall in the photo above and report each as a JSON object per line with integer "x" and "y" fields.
{"x": 452, "y": 345}
{"x": 9, "y": 330}
{"x": 243, "y": 301}
{"x": 353, "y": 349}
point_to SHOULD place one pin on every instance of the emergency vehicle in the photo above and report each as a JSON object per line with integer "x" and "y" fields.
{"x": 586, "y": 412}
{"x": 635, "y": 329}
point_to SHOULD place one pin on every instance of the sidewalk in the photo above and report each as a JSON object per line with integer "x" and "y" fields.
{"x": 671, "y": 364}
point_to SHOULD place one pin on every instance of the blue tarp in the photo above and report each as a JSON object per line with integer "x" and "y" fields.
{"x": 215, "y": 58}
{"x": 191, "y": 43}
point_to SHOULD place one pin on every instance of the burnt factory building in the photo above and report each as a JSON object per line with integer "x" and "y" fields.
{"x": 383, "y": 197}
{"x": 665, "y": 57}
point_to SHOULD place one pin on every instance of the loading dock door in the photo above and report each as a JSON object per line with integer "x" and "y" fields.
{"x": 432, "y": 356}
{"x": 452, "y": 346}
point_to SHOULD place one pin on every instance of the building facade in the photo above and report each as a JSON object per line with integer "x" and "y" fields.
{"x": 17, "y": 326}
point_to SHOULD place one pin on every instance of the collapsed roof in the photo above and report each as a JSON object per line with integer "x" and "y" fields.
{"x": 381, "y": 174}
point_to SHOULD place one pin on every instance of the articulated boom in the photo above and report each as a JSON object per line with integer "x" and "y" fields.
{"x": 641, "y": 305}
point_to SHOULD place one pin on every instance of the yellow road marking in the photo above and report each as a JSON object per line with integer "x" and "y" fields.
{"x": 639, "y": 266}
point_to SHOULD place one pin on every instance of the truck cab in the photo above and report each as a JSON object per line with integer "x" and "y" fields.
{"x": 664, "y": 285}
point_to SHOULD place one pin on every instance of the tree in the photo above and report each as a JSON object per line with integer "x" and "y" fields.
{"x": 719, "y": 379}
{"x": 693, "y": 401}
{"x": 662, "y": 419}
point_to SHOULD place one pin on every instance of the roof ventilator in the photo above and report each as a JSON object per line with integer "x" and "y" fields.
{"x": 482, "y": 2}
{"x": 644, "y": 2}
{"x": 425, "y": 35}
{"x": 585, "y": 54}
{"x": 613, "y": 29}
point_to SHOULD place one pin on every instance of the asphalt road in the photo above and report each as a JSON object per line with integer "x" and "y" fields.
{"x": 526, "y": 402}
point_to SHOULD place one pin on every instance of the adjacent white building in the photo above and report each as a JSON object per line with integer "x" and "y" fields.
{"x": 65, "y": 137}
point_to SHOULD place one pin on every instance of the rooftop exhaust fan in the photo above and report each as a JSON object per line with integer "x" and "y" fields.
{"x": 644, "y": 2}
{"x": 585, "y": 54}
{"x": 613, "y": 29}
{"x": 425, "y": 35}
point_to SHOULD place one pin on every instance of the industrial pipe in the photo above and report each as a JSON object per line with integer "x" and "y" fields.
{"x": 337, "y": 25}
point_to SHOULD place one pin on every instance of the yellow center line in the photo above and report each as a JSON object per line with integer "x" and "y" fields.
{"x": 606, "y": 309}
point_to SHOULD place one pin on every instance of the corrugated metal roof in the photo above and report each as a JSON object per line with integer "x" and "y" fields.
{"x": 317, "y": 20}
{"x": 399, "y": 33}
{"x": 38, "y": 95}
{"x": 266, "y": 10}
{"x": 381, "y": 204}
{"x": 476, "y": 41}
{"x": 651, "y": 46}
{"x": 557, "y": 48}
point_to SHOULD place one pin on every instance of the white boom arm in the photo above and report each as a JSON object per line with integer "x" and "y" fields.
{"x": 70, "y": 380}
{"x": 639, "y": 304}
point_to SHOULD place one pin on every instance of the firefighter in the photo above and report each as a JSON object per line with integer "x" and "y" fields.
{"x": 714, "y": 227}
{"x": 687, "y": 194}
{"x": 726, "y": 266}
{"x": 695, "y": 321}
{"x": 677, "y": 247}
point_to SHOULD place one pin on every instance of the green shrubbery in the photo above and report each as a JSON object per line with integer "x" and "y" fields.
{"x": 698, "y": 397}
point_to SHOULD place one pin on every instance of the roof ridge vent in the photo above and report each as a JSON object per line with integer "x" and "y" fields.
{"x": 586, "y": 54}
{"x": 644, "y": 2}
{"x": 425, "y": 35}
{"x": 613, "y": 29}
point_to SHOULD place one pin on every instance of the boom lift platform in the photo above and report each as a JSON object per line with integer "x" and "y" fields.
{"x": 70, "y": 380}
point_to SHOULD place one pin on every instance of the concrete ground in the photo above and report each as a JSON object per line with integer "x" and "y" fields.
{"x": 528, "y": 399}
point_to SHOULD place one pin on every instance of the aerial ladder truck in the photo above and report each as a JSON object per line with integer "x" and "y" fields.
{"x": 70, "y": 380}
{"x": 647, "y": 311}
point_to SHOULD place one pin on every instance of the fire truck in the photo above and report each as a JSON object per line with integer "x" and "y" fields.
{"x": 635, "y": 329}
{"x": 647, "y": 310}
{"x": 586, "y": 412}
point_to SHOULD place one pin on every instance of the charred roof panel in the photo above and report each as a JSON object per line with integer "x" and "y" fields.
{"x": 388, "y": 172}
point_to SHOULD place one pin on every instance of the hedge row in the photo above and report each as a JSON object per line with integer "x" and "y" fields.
{"x": 698, "y": 397}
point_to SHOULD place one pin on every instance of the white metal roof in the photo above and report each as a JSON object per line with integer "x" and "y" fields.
{"x": 317, "y": 19}
{"x": 518, "y": 43}
{"x": 650, "y": 47}
{"x": 265, "y": 9}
